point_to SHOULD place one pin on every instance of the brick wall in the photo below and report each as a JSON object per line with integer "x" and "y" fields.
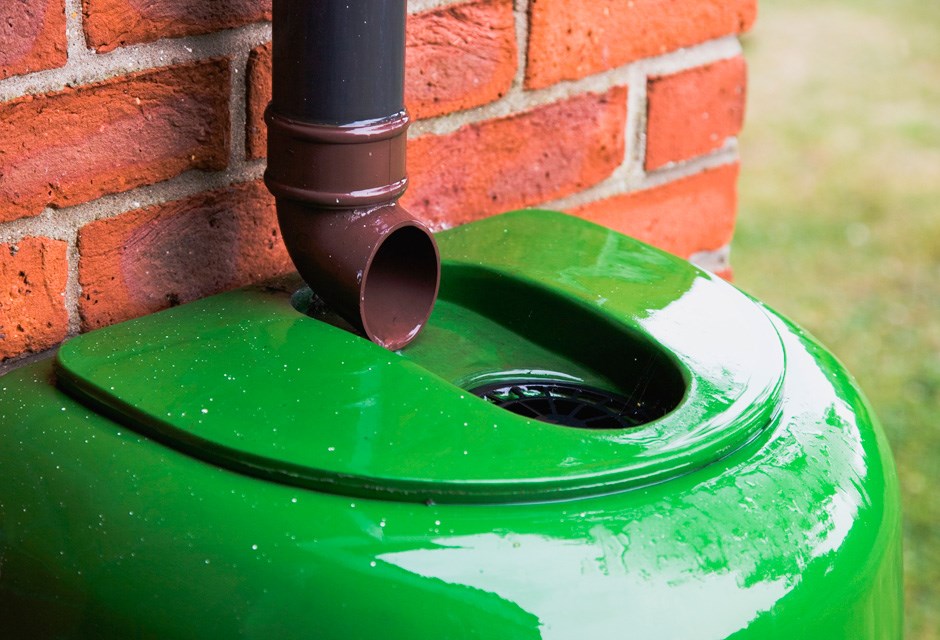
{"x": 132, "y": 144}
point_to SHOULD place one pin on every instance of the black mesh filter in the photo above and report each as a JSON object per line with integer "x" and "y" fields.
{"x": 571, "y": 405}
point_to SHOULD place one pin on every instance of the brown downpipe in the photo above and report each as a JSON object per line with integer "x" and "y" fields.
{"x": 336, "y": 164}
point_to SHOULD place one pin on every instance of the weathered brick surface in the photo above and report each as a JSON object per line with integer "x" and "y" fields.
{"x": 33, "y": 273}
{"x": 153, "y": 258}
{"x": 79, "y": 144}
{"x": 458, "y": 57}
{"x": 32, "y": 36}
{"x": 516, "y": 161}
{"x": 684, "y": 217}
{"x": 258, "y": 96}
{"x": 115, "y": 23}
{"x": 694, "y": 112}
{"x": 144, "y": 127}
{"x": 570, "y": 39}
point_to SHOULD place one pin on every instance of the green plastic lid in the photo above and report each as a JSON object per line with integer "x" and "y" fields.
{"x": 245, "y": 381}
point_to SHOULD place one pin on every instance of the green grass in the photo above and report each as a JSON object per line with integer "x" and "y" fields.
{"x": 840, "y": 222}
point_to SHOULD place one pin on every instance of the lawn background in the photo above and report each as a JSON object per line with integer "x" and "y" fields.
{"x": 839, "y": 223}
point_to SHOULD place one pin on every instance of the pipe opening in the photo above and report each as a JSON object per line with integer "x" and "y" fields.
{"x": 399, "y": 287}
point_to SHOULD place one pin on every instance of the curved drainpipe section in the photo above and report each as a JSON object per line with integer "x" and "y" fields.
{"x": 336, "y": 164}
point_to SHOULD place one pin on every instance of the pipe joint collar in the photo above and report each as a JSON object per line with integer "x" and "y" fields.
{"x": 355, "y": 165}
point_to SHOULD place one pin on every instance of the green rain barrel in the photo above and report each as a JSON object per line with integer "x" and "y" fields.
{"x": 590, "y": 439}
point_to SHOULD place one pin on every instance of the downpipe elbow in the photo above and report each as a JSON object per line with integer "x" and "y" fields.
{"x": 378, "y": 267}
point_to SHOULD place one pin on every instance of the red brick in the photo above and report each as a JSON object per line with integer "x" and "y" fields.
{"x": 115, "y": 23}
{"x": 570, "y": 39}
{"x": 33, "y": 36}
{"x": 458, "y": 57}
{"x": 684, "y": 217}
{"x": 149, "y": 259}
{"x": 258, "y": 96}
{"x": 33, "y": 273}
{"x": 694, "y": 112}
{"x": 79, "y": 144}
{"x": 520, "y": 160}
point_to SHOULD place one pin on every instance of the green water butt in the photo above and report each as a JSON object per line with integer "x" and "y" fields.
{"x": 236, "y": 468}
